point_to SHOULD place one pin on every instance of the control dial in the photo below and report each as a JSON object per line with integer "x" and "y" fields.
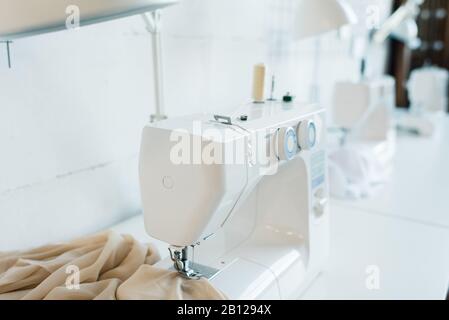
{"x": 286, "y": 143}
{"x": 307, "y": 134}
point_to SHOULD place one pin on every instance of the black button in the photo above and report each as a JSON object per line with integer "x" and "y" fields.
{"x": 287, "y": 98}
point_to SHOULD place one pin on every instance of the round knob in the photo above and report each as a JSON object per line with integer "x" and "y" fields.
{"x": 321, "y": 202}
{"x": 307, "y": 134}
{"x": 319, "y": 208}
{"x": 287, "y": 144}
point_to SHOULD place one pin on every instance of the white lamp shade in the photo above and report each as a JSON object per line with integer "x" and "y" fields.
{"x": 315, "y": 17}
{"x": 20, "y": 18}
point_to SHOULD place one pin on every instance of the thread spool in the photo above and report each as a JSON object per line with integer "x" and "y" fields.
{"x": 259, "y": 83}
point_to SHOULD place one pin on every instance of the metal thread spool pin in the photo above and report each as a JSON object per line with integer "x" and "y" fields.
{"x": 8, "y": 51}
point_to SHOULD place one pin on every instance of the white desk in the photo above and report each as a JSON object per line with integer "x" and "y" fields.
{"x": 403, "y": 232}
{"x": 419, "y": 189}
{"x": 412, "y": 258}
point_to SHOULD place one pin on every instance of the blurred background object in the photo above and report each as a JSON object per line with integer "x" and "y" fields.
{"x": 317, "y": 17}
{"x": 433, "y": 26}
{"x": 427, "y": 89}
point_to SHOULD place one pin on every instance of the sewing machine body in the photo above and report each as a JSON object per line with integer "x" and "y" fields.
{"x": 366, "y": 106}
{"x": 365, "y": 110}
{"x": 260, "y": 222}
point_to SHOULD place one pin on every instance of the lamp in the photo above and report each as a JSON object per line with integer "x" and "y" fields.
{"x": 21, "y": 18}
{"x": 401, "y": 25}
{"x": 315, "y": 17}
{"x": 407, "y": 33}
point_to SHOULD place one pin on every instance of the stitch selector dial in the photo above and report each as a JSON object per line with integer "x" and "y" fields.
{"x": 307, "y": 134}
{"x": 286, "y": 143}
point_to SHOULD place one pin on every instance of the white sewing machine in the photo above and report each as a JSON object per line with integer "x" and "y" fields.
{"x": 365, "y": 108}
{"x": 241, "y": 200}
{"x": 362, "y": 160}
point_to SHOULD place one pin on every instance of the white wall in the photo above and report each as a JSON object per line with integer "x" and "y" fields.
{"x": 73, "y": 105}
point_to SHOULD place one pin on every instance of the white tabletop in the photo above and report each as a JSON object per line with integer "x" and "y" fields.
{"x": 411, "y": 259}
{"x": 419, "y": 188}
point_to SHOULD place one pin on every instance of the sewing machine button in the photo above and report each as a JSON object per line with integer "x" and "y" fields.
{"x": 168, "y": 182}
{"x": 321, "y": 202}
{"x": 319, "y": 194}
{"x": 318, "y": 209}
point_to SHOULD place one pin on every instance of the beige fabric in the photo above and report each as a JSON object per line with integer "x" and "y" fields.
{"x": 111, "y": 266}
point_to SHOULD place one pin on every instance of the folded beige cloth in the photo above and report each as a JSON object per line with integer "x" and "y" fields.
{"x": 103, "y": 266}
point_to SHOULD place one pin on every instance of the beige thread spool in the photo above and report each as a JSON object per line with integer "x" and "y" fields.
{"x": 259, "y": 83}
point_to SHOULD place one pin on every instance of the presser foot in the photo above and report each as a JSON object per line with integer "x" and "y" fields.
{"x": 187, "y": 268}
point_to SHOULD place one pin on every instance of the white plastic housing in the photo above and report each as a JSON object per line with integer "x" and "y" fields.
{"x": 186, "y": 202}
